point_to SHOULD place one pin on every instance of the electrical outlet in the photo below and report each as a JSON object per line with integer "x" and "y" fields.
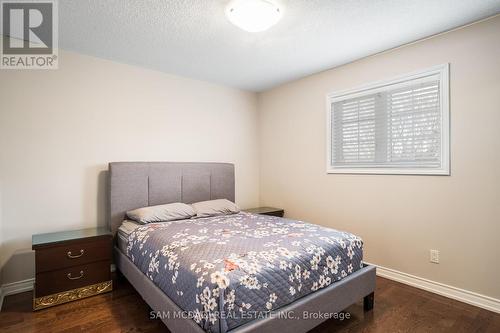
{"x": 435, "y": 256}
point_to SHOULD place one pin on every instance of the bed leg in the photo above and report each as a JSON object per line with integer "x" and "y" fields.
{"x": 368, "y": 301}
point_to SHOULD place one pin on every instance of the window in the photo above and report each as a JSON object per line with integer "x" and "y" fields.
{"x": 396, "y": 127}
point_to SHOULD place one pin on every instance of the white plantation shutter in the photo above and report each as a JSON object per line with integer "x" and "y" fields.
{"x": 354, "y": 131}
{"x": 399, "y": 127}
{"x": 414, "y": 129}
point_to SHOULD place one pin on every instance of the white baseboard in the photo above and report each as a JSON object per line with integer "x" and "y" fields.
{"x": 469, "y": 297}
{"x": 15, "y": 288}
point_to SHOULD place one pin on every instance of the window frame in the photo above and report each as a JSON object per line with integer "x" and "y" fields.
{"x": 443, "y": 72}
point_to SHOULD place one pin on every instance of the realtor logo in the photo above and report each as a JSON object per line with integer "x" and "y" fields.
{"x": 29, "y": 34}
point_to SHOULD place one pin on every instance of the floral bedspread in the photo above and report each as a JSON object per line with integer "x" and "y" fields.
{"x": 224, "y": 271}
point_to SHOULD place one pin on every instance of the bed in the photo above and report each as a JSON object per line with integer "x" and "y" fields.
{"x": 231, "y": 273}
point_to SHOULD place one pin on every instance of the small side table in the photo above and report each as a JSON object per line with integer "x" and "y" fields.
{"x": 267, "y": 211}
{"x": 71, "y": 265}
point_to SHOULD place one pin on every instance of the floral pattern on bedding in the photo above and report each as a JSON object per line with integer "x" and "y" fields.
{"x": 227, "y": 270}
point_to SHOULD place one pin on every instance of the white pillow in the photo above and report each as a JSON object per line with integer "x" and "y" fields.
{"x": 215, "y": 207}
{"x": 162, "y": 213}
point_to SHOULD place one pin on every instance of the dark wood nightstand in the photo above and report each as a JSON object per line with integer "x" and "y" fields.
{"x": 71, "y": 265}
{"x": 267, "y": 211}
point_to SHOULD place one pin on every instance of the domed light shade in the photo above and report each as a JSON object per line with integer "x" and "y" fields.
{"x": 253, "y": 15}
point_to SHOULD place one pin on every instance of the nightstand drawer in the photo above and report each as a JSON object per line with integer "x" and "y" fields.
{"x": 72, "y": 277}
{"x": 72, "y": 254}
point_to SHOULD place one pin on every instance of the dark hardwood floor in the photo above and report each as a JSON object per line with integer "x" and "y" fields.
{"x": 398, "y": 308}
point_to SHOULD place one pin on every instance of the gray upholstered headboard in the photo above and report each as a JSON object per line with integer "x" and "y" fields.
{"x": 140, "y": 184}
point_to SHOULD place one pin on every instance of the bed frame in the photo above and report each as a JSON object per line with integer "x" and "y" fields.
{"x": 140, "y": 184}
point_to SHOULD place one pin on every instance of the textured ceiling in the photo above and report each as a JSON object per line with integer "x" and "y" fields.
{"x": 193, "y": 38}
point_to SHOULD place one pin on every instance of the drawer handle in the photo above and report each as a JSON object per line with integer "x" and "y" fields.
{"x": 75, "y": 277}
{"x": 75, "y": 256}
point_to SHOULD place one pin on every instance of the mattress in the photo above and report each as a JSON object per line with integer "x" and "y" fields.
{"x": 227, "y": 270}
{"x": 124, "y": 231}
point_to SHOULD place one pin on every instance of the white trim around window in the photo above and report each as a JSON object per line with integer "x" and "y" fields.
{"x": 380, "y": 141}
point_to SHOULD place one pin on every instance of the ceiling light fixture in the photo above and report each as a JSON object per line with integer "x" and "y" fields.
{"x": 253, "y": 15}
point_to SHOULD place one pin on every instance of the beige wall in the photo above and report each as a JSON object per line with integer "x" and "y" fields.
{"x": 59, "y": 129}
{"x": 400, "y": 217}
{"x": 1, "y": 240}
